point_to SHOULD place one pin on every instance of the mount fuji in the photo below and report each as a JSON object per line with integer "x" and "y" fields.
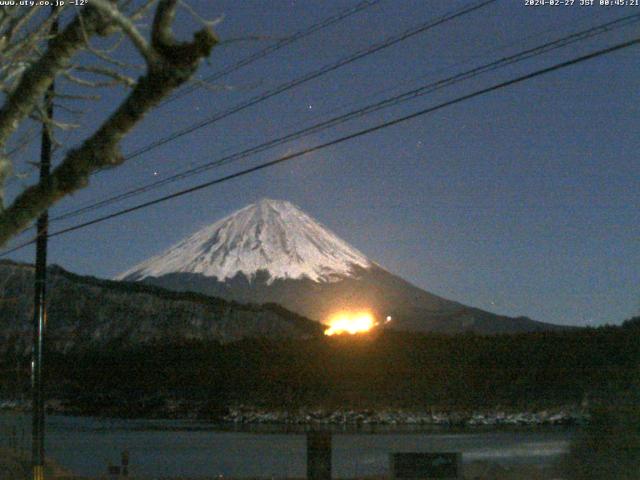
{"x": 273, "y": 252}
{"x": 271, "y": 236}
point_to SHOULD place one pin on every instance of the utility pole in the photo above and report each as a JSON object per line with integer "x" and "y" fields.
{"x": 40, "y": 309}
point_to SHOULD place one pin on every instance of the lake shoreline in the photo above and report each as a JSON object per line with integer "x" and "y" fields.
{"x": 318, "y": 417}
{"x": 17, "y": 465}
{"x": 197, "y": 449}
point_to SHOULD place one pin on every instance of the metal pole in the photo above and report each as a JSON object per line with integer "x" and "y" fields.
{"x": 318, "y": 455}
{"x": 40, "y": 309}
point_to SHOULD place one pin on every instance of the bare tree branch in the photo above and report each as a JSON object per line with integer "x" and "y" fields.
{"x": 127, "y": 26}
{"x": 5, "y": 171}
{"x": 173, "y": 64}
{"x": 141, "y": 10}
{"x": 104, "y": 54}
{"x": 116, "y": 76}
{"x": 208, "y": 23}
{"x": 68, "y": 96}
{"x": 38, "y": 76}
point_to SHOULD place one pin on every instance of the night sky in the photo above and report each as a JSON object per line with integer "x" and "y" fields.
{"x": 523, "y": 201}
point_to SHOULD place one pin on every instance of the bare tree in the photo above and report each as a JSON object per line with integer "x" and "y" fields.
{"x": 32, "y": 58}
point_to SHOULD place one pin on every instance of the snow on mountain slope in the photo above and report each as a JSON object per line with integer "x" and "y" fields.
{"x": 270, "y": 235}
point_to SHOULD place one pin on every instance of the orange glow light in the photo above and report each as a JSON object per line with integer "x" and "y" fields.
{"x": 350, "y": 322}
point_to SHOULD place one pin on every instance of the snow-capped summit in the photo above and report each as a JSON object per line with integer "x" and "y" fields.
{"x": 309, "y": 270}
{"x": 271, "y": 235}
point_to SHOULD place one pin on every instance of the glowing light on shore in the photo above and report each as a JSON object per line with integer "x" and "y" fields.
{"x": 350, "y": 322}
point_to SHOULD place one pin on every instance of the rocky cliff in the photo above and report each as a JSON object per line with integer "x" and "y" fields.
{"x": 89, "y": 312}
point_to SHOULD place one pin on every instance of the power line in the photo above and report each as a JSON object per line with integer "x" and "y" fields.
{"x": 345, "y": 138}
{"x": 346, "y": 60}
{"x": 322, "y": 71}
{"x": 392, "y": 101}
{"x": 275, "y": 47}
{"x": 311, "y": 76}
{"x": 128, "y": 192}
{"x": 179, "y": 174}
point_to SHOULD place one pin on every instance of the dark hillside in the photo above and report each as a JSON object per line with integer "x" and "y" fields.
{"x": 86, "y": 312}
{"x": 389, "y": 370}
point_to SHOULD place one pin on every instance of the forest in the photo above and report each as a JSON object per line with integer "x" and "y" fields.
{"x": 384, "y": 369}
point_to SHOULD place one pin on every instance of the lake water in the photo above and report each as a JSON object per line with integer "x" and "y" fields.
{"x": 196, "y": 449}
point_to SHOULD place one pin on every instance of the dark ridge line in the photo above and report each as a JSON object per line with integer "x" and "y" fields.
{"x": 166, "y": 294}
